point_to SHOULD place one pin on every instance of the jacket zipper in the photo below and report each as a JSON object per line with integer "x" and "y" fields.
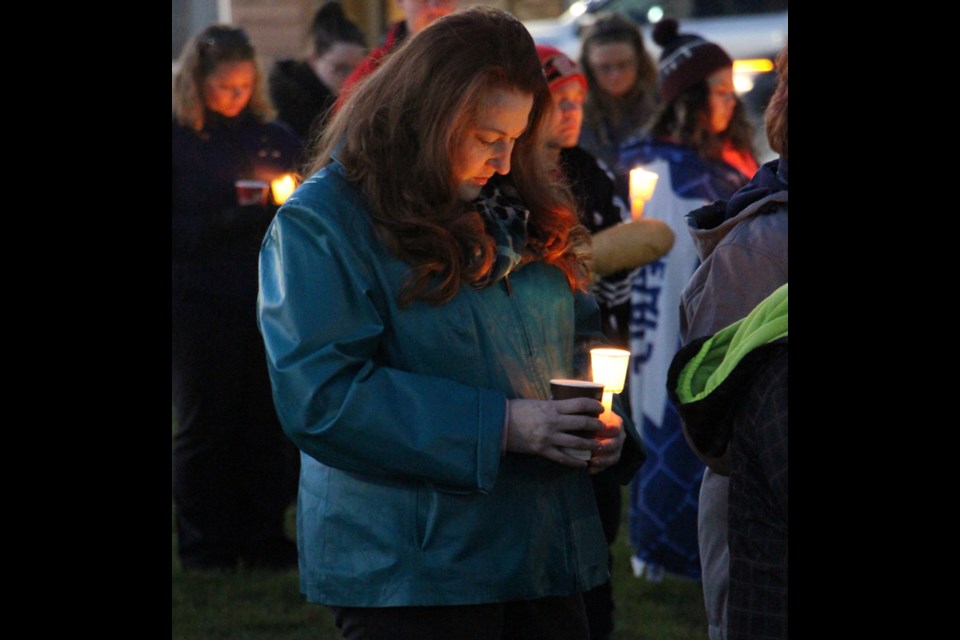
{"x": 506, "y": 285}
{"x": 516, "y": 308}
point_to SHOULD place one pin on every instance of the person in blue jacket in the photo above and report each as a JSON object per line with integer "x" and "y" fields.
{"x": 234, "y": 471}
{"x": 700, "y": 146}
{"x": 417, "y": 294}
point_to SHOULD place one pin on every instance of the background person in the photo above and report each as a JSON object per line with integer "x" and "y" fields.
{"x": 417, "y": 15}
{"x": 743, "y": 243}
{"x": 418, "y": 292}
{"x": 234, "y": 471}
{"x": 622, "y": 88}
{"x": 304, "y": 90}
{"x": 600, "y": 208}
{"x": 699, "y": 146}
{"x": 592, "y": 185}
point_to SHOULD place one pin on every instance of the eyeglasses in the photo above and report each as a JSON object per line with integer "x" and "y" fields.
{"x": 613, "y": 67}
{"x": 723, "y": 94}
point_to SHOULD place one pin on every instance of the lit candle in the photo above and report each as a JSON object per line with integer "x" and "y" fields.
{"x": 642, "y": 184}
{"x": 609, "y": 369}
{"x": 282, "y": 187}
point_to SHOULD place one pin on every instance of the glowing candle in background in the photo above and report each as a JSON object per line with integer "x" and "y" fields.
{"x": 282, "y": 187}
{"x": 642, "y": 184}
{"x": 609, "y": 369}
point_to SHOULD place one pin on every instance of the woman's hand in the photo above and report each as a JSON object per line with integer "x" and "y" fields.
{"x": 542, "y": 427}
{"x": 611, "y": 441}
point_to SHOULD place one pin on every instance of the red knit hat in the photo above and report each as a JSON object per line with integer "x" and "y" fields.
{"x": 559, "y": 68}
{"x": 686, "y": 59}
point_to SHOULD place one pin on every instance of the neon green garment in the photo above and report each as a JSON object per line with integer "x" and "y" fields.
{"x": 721, "y": 353}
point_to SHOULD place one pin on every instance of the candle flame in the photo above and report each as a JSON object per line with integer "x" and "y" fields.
{"x": 642, "y": 184}
{"x": 282, "y": 187}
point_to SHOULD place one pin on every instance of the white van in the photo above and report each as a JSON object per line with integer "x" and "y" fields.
{"x": 746, "y": 29}
{"x": 751, "y": 31}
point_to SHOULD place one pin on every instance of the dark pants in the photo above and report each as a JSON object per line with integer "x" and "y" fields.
{"x": 607, "y": 488}
{"x": 758, "y": 506}
{"x": 599, "y": 600}
{"x": 559, "y": 618}
{"x": 235, "y": 472}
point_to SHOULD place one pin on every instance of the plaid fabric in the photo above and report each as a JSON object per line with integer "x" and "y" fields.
{"x": 757, "y": 605}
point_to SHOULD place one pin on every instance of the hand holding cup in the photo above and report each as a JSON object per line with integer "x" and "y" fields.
{"x": 564, "y": 389}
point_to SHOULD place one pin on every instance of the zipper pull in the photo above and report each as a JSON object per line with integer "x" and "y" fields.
{"x": 506, "y": 285}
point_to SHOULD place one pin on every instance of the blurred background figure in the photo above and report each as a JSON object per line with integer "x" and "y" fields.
{"x": 743, "y": 244}
{"x": 304, "y": 90}
{"x": 417, "y": 15}
{"x": 622, "y": 82}
{"x": 699, "y": 145}
{"x": 234, "y": 471}
{"x": 599, "y": 208}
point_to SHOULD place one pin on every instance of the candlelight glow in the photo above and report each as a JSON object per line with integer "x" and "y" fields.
{"x": 642, "y": 185}
{"x": 609, "y": 369}
{"x": 282, "y": 187}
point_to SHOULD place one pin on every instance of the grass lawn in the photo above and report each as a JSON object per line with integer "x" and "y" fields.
{"x": 261, "y": 605}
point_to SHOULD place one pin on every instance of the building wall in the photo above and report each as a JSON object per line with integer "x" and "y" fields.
{"x": 278, "y": 27}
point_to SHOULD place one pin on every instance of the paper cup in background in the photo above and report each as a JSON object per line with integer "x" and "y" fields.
{"x": 252, "y": 192}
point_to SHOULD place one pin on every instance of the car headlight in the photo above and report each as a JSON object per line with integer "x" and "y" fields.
{"x": 745, "y": 71}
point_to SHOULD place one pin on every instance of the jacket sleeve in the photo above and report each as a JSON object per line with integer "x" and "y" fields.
{"x": 323, "y": 320}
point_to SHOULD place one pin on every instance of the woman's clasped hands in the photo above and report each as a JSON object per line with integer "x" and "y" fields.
{"x": 546, "y": 427}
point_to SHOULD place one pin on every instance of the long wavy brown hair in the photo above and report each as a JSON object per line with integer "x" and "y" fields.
{"x": 396, "y": 136}
{"x": 199, "y": 58}
{"x": 775, "y": 117}
{"x": 683, "y": 119}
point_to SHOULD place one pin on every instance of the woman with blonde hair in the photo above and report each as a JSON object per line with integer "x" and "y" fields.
{"x": 234, "y": 472}
{"x": 418, "y": 292}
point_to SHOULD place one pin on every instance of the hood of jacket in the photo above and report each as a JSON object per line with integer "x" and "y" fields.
{"x": 708, "y": 376}
{"x": 765, "y": 193}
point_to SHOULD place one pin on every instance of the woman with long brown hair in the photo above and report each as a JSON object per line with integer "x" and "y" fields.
{"x": 700, "y": 146}
{"x": 418, "y": 292}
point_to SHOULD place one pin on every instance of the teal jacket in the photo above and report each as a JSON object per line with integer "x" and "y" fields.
{"x": 405, "y": 497}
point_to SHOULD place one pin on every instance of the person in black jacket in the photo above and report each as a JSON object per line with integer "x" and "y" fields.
{"x": 234, "y": 471}
{"x": 731, "y": 390}
{"x": 600, "y": 208}
{"x": 304, "y": 90}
